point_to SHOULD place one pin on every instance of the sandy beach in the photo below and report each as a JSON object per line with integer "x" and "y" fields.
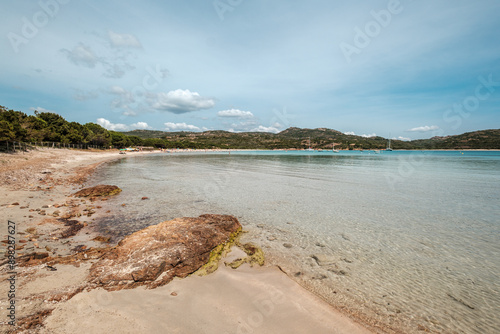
{"x": 35, "y": 198}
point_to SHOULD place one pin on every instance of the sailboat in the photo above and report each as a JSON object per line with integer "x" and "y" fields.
{"x": 309, "y": 149}
{"x": 334, "y": 150}
{"x": 389, "y": 145}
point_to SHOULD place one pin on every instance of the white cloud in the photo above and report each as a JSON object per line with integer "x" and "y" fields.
{"x": 140, "y": 125}
{"x": 129, "y": 112}
{"x": 121, "y": 127}
{"x": 114, "y": 71}
{"x": 181, "y": 101}
{"x": 403, "y": 138}
{"x": 124, "y": 100}
{"x": 262, "y": 128}
{"x": 351, "y": 133}
{"x": 169, "y": 126}
{"x": 114, "y": 63}
{"x": 123, "y": 40}
{"x": 82, "y": 55}
{"x": 40, "y": 109}
{"x": 111, "y": 126}
{"x": 117, "y": 90}
{"x": 425, "y": 128}
{"x": 235, "y": 113}
{"x": 277, "y": 125}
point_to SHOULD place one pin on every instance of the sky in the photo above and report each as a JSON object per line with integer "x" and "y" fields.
{"x": 397, "y": 69}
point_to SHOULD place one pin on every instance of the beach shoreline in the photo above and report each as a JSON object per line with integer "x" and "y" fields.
{"x": 35, "y": 196}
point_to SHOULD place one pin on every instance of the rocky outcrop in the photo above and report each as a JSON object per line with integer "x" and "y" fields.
{"x": 155, "y": 255}
{"x": 97, "y": 191}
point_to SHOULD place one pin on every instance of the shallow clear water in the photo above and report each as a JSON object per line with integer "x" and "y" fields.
{"x": 413, "y": 237}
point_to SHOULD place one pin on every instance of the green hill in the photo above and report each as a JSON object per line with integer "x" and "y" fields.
{"x": 483, "y": 139}
{"x": 145, "y": 134}
{"x": 321, "y": 138}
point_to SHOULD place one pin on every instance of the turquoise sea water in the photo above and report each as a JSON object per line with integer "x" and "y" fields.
{"x": 412, "y": 237}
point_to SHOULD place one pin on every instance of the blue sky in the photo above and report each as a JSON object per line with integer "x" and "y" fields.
{"x": 400, "y": 69}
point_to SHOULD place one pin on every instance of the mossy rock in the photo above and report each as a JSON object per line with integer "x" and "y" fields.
{"x": 255, "y": 255}
{"x": 217, "y": 254}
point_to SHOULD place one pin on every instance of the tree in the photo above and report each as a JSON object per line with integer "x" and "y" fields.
{"x": 98, "y": 135}
{"x": 119, "y": 140}
{"x": 53, "y": 120}
{"x": 14, "y": 119}
{"x": 74, "y": 133}
{"x": 6, "y": 131}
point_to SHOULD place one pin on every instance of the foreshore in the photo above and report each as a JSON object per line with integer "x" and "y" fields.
{"x": 35, "y": 203}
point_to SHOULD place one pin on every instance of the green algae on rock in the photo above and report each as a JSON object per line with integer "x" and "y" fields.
{"x": 255, "y": 255}
{"x": 217, "y": 254}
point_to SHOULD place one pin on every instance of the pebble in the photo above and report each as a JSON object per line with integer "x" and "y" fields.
{"x": 323, "y": 259}
{"x": 287, "y": 245}
{"x": 338, "y": 271}
{"x": 345, "y": 237}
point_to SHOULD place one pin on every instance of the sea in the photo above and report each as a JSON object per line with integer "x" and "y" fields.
{"x": 403, "y": 241}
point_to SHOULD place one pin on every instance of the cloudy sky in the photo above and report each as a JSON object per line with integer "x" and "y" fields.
{"x": 400, "y": 69}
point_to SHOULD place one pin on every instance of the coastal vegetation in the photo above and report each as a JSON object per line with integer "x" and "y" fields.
{"x": 51, "y": 127}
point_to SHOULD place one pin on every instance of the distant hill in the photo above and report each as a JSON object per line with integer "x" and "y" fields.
{"x": 483, "y": 139}
{"x": 320, "y": 138}
{"x": 318, "y": 133}
{"x": 145, "y": 134}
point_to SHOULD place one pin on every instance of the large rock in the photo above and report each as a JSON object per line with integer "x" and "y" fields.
{"x": 99, "y": 190}
{"x": 158, "y": 253}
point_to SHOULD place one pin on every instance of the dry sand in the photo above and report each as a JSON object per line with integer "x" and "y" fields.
{"x": 246, "y": 300}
